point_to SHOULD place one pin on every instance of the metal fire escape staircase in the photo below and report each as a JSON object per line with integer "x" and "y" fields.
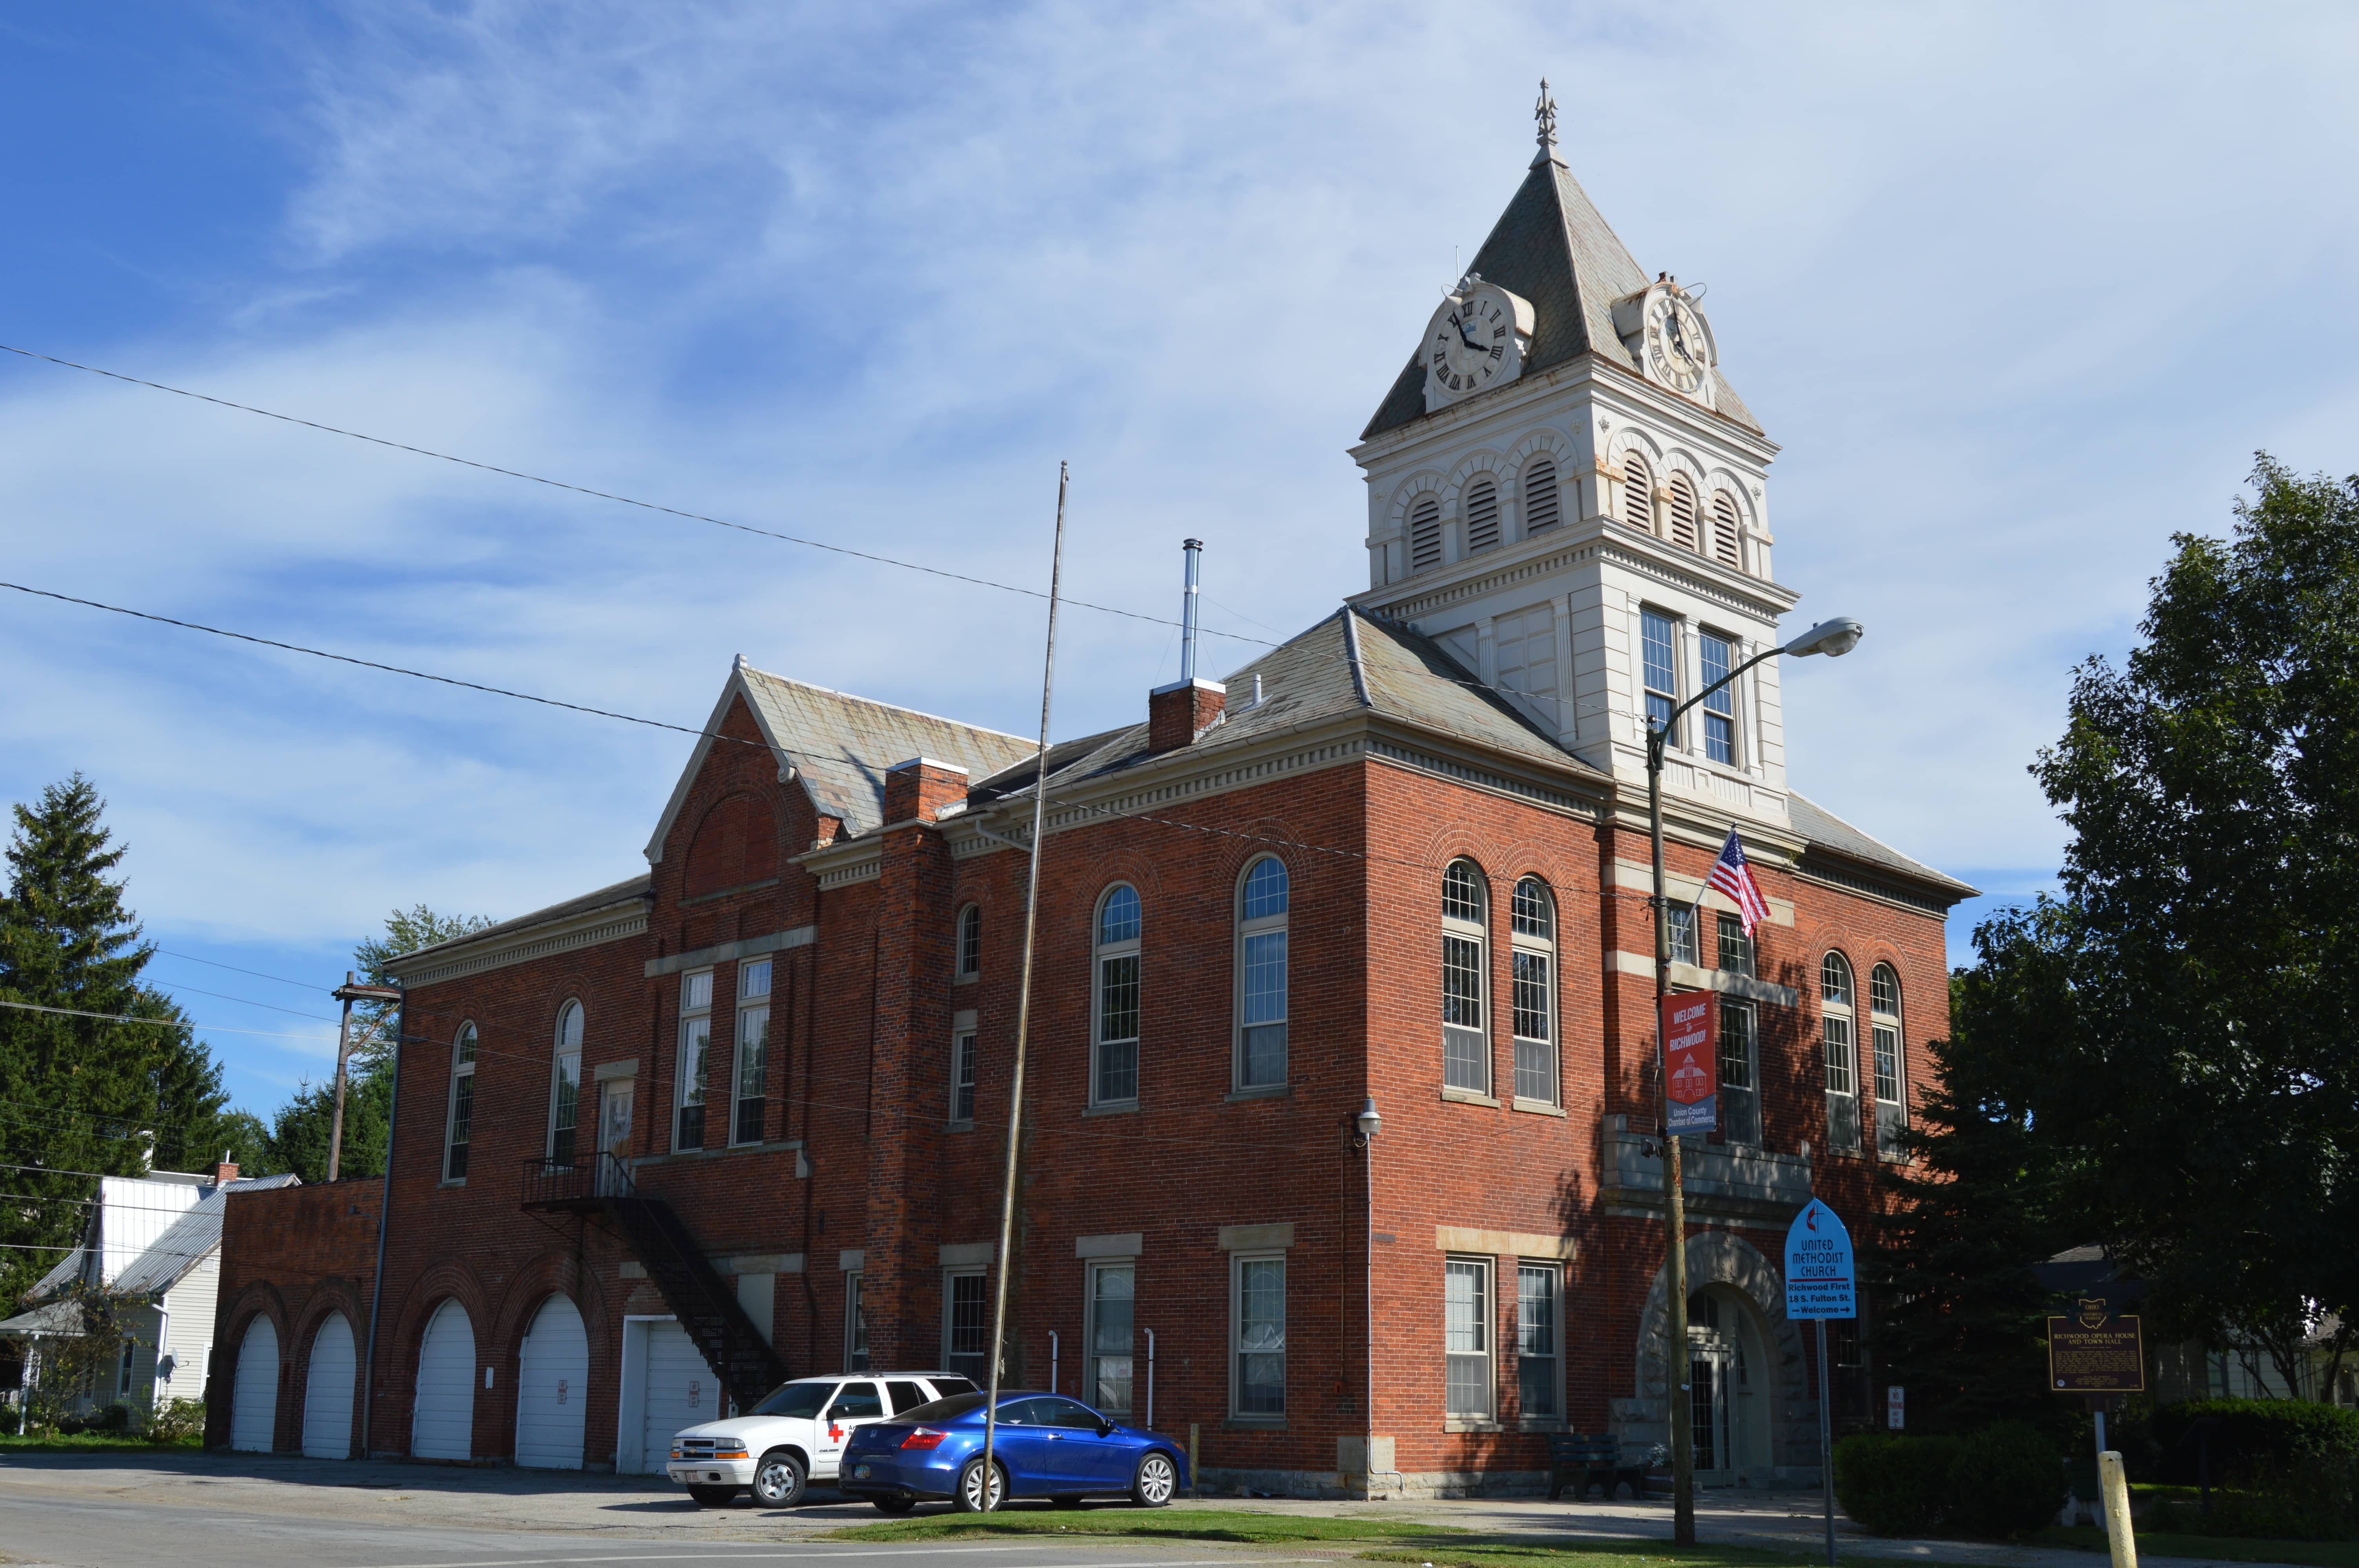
{"x": 704, "y": 1302}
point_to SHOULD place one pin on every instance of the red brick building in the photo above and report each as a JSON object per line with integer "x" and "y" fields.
{"x": 744, "y": 1117}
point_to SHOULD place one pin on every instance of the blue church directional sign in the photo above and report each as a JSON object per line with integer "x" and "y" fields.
{"x": 1819, "y": 1278}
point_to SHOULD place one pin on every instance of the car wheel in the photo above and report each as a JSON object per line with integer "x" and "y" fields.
{"x": 894, "y": 1504}
{"x": 712, "y": 1496}
{"x": 778, "y": 1480}
{"x": 1152, "y": 1487}
{"x": 969, "y": 1497}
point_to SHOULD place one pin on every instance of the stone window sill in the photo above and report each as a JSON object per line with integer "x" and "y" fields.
{"x": 1537, "y": 1107}
{"x": 1541, "y": 1423}
{"x": 959, "y": 1127}
{"x": 1120, "y": 1108}
{"x": 965, "y": 980}
{"x": 1471, "y": 1424}
{"x": 1259, "y": 1091}
{"x": 1468, "y": 1097}
{"x": 1254, "y": 1423}
{"x": 451, "y": 1182}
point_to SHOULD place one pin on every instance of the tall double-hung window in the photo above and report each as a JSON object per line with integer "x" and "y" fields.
{"x": 752, "y": 1078}
{"x": 1113, "y": 1055}
{"x": 1719, "y": 658}
{"x": 565, "y": 1087}
{"x": 1740, "y": 1074}
{"x": 695, "y": 1059}
{"x": 969, "y": 960}
{"x": 1540, "y": 1355}
{"x": 1466, "y": 1334}
{"x": 1837, "y": 1030}
{"x": 1258, "y": 1310}
{"x": 966, "y": 1324}
{"x": 462, "y": 1105}
{"x": 1884, "y": 1026}
{"x": 1533, "y": 952}
{"x": 962, "y": 1079}
{"x": 1659, "y": 662}
{"x": 1112, "y": 1290}
{"x": 1261, "y": 969}
{"x": 1465, "y": 964}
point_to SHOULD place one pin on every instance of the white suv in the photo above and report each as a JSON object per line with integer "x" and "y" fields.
{"x": 796, "y": 1434}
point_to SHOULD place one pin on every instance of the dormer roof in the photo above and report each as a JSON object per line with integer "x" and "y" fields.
{"x": 1554, "y": 247}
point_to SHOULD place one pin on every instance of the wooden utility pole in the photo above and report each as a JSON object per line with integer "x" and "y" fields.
{"x": 349, "y": 993}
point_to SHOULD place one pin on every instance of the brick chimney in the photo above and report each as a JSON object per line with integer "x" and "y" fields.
{"x": 921, "y": 788}
{"x": 225, "y": 1172}
{"x": 1178, "y": 713}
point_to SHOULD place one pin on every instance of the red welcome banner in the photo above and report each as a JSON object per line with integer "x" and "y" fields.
{"x": 1692, "y": 1060}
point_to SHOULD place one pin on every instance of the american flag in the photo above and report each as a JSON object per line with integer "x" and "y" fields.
{"x": 1732, "y": 876}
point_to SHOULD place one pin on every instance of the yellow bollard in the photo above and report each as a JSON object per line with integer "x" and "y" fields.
{"x": 2115, "y": 1490}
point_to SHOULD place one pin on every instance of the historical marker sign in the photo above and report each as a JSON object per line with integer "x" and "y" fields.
{"x": 1818, "y": 1273}
{"x": 2095, "y": 1352}
{"x": 1692, "y": 1060}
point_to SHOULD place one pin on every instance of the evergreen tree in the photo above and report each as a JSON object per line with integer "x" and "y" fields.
{"x": 76, "y": 1092}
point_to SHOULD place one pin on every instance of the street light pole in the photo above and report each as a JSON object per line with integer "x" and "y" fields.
{"x": 1834, "y": 638}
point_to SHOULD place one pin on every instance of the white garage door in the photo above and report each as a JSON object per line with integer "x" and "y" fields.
{"x": 254, "y": 1404}
{"x": 328, "y": 1391}
{"x": 679, "y": 1391}
{"x": 444, "y": 1424}
{"x": 549, "y": 1388}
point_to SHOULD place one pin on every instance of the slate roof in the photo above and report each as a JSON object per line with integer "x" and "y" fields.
{"x": 625, "y": 892}
{"x": 842, "y": 744}
{"x": 1554, "y": 247}
{"x": 1825, "y": 830}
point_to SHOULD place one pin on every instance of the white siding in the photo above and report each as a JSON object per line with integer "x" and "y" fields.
{"x": 442, "y": 1425}
{"x": 254, "y": 1407}
{"x": 553, "y": 1374}
{"x": 134, "y": 1212}
{"x": 189, "y": 1337}
{"x": 328, "y": 1391}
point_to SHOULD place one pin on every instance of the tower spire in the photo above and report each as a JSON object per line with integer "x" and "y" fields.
{"x": 1544, "y": 113}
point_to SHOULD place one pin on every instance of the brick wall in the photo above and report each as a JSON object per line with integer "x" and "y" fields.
{"x": 295, "y": 1256}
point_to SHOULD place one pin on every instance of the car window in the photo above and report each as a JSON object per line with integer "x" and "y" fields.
{"x": 856, "y": 1401}
{"x": 1065, "y": 1413}
{"x": 941, "y": 1411}
{"x": 906, "y": 1396}
{"x": 945, "y": 1387}
{"x": 1020, "y": 1413}
{"x": 802, "y": 1399}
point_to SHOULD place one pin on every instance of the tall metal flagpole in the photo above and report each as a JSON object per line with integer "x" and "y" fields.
{"x": 989, "y": 1498}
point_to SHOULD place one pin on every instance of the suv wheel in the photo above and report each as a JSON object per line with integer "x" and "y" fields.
{"x": 712, "y": 1496}
{"x": 778, "y": 1480}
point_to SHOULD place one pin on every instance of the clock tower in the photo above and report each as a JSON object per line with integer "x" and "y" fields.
{"x": 1566, "y": 494}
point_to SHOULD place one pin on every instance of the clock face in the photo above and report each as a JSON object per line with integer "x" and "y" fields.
{"x": 1473, "y": 343}
{"x": 1676, "y": 346}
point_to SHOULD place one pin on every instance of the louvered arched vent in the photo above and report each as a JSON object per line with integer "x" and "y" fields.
{"x": 1539, "y": 496}
{"x": 1424, "y": 535}
{"x": 1481, "y": 516}
{"x": 1726, "y": 529}
{"x": 1638, "y": 492}
{"x": 1683, "y": 512}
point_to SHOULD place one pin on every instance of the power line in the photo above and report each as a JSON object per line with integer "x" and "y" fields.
{"x": 604, "y": 495}
{"x": 242, "y": 1001}
{"x": 158, "y": 1022}
{"x": 313, "y": 986}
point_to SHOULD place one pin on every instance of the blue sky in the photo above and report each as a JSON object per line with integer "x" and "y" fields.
{"x": 2020, "y": 289}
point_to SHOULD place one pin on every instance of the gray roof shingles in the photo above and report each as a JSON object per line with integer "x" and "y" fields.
{"x": 843, "y": 744}
{"x": 1554, "y": 248}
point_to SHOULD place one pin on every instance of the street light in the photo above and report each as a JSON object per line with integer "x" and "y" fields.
{"x": 1366, "y": 1125}
{"x": 1834, "y": 638}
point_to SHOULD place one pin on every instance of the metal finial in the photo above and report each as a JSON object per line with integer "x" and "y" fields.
{"x": 1544, "y": 112}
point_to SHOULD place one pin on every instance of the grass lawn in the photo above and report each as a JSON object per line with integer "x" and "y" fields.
{"x": 2219, "y": 1548}
{"x": 1119, "y": 1518}
{"x": 96, "y": 1443}
{"x": 1494, "y": 1552}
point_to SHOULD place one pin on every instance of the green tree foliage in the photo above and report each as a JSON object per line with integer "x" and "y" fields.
{"x": 2183, "y": 1020}
{"x": 1985, "y": 1199}
{"x": 78, "y": 1094}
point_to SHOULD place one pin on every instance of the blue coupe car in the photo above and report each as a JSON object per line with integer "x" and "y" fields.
{"x": 1046, "y": 1446}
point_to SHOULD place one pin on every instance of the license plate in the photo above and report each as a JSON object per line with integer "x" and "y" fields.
{"x": 860, "y": 1472}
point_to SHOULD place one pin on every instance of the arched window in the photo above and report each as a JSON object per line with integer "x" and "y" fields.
{"x": 1261, "y": 975}
{"x": 1883, "y": 1027}
{"x": 462, "y": 1105}
{"x": 1533, "y": 946}
{"x": 1541, "y": 506}
{"x": 970, "y": 942}
{"x": 1481, "y": 516}
{"x": 565, "y": 1087}
{"x": 1683, "y": 512}
{"x": 1465, "y": 963}
{"x": 1638, "y": 492}
{"x": 1114, "y": 1058}
{"x": 1838, "y": 1032}
{"x": 1424, "y": 535}
{"x": 1726, "y": 530}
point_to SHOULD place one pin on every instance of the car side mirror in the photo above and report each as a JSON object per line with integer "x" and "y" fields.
{"x": 1105, "y": 1429}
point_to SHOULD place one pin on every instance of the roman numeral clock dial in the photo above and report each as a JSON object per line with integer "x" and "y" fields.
{"x": 1475, "y": 342}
